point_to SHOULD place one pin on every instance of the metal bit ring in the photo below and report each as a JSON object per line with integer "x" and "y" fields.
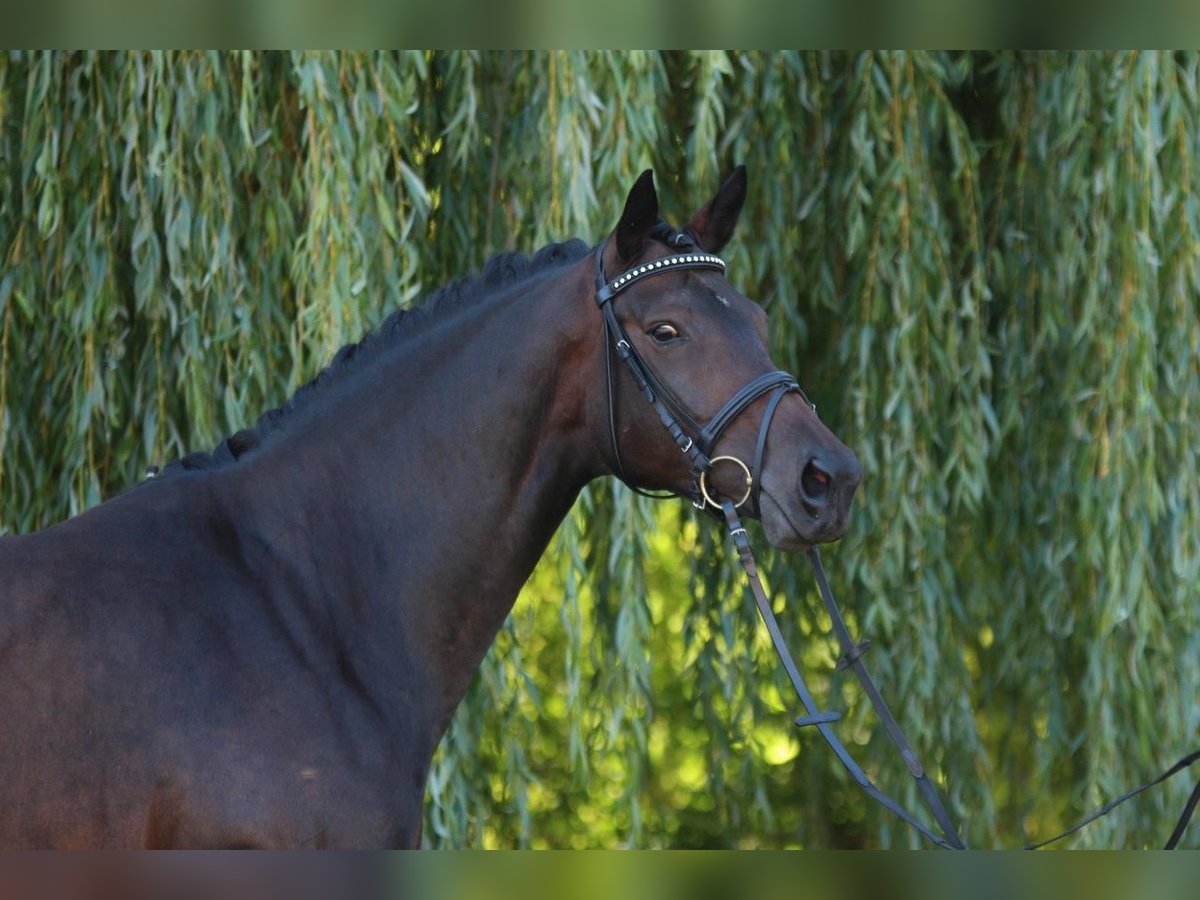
{"x": 704, "y": 485}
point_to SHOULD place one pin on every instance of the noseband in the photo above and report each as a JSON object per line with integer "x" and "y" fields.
{"x": 694, "y": 439}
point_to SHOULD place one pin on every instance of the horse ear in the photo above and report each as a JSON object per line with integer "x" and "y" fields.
{"x": 713, "y": 224}
{"x": 640, "y": 215}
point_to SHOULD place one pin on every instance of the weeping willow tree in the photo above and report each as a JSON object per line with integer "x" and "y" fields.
{"x": 982, "y": 266}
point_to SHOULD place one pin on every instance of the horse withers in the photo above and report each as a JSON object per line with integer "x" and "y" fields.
{"x": 262, "y": 646}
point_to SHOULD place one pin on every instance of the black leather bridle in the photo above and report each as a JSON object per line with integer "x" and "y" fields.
{"x": 697, "y": 442}
{"x": 694, "y": 439}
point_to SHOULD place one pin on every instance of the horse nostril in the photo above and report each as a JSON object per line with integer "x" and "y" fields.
{"x": 815, "y": 481}
{"x": 814, "y": 488}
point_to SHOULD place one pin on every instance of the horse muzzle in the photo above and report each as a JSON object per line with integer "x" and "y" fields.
{"x": 825, "y": 489}
{"x": 815, "y": 507}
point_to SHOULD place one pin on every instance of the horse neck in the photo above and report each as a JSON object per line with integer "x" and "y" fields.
{"x": 426, "y": 488}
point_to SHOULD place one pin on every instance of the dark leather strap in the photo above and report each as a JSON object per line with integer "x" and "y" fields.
{"x": 760, "y": 449}
{"x": 739, "y": 401}
{"x": 853, "y": 660}
{"x": 823, "y": 721}
{"x": 1186, "y": 816}
{"x": 606, "y": 290}
{"x": 1180, "y": 826}
{"x": 664, "y": 404}
{"x": 695, "y": 440}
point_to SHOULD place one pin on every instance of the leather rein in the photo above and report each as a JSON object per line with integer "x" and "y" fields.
{"x": 696, "y": 441}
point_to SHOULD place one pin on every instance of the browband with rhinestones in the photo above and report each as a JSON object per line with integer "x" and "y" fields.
{"x": 679, "y": 261}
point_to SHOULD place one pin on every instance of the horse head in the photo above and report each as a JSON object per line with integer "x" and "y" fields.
{"x": 700, "y": 410}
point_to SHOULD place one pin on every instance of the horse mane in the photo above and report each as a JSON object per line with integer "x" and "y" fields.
{"x": 500, "y": 271}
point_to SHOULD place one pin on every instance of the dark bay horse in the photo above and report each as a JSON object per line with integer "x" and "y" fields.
{"x": 262, "y": 646}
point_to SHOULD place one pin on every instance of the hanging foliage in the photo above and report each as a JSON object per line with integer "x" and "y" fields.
{"x": 983, "y": 268}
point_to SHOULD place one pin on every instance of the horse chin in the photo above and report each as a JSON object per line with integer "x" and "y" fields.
{"x": 779, "y": 528}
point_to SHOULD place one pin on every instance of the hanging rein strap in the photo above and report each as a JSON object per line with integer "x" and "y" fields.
{"x": 853, "y": 659}
{"x": 823, "y": 721}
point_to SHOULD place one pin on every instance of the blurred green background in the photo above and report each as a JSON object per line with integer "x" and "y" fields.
{"x": 982, "y": 266}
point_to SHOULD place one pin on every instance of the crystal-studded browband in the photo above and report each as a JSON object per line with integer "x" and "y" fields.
{"x": 678, "y": 261}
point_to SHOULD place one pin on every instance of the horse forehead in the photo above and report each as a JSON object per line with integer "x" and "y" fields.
{"x": 733, "y": 311}
{"x": 698, "y": 292}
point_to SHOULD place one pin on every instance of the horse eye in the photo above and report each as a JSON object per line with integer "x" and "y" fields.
{"x": 664, "y": 333}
